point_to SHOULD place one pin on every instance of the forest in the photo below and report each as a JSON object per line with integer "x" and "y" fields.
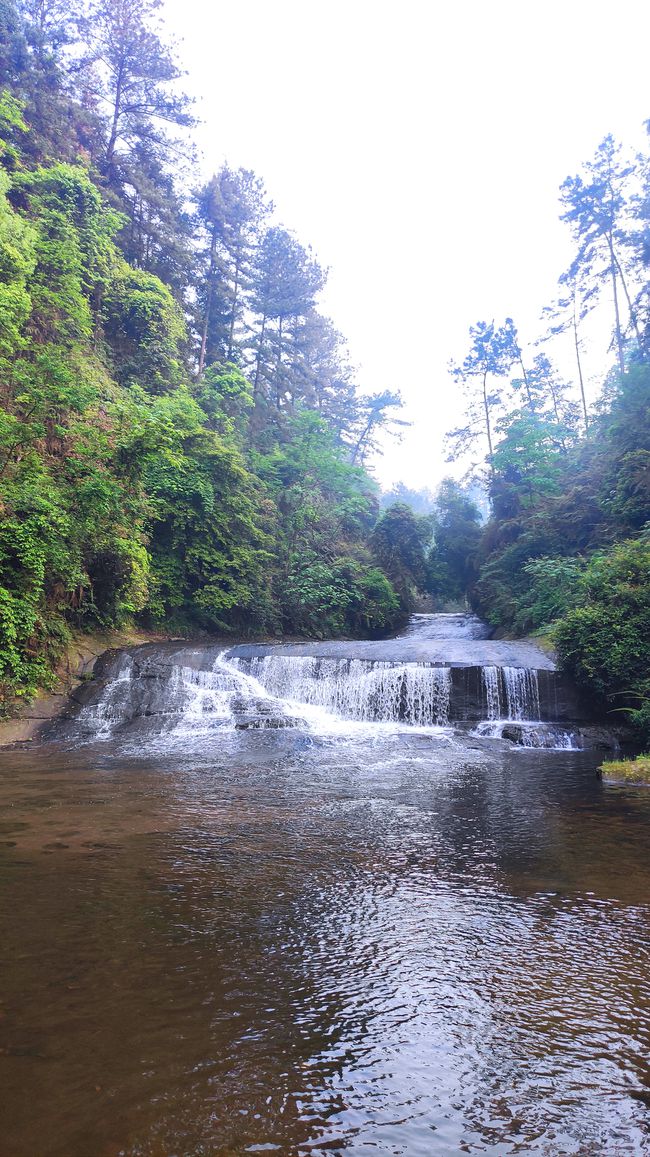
{"x": 182, "y": 440}
{"x": 181, "y": 437}
{"x": 565, "y": 549}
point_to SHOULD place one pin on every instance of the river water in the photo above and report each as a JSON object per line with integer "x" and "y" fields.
{"x": 344, "y": 936}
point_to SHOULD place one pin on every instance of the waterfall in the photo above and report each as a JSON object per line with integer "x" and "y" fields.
{"x": 102, "y": 717}
{"x": 182, "y": 698}
{"x": 189, "y": 690}
{"x": 521, "y": 686}
{"x": 522, "y": 692}
{"x": 521, "y": 722}
{"x": 414, "y": 693}
{"x": 491, "y": 685}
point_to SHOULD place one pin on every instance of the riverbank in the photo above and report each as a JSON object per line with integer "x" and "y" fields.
{"x": 76, "y": 666}
{"x": 630, "y": 771}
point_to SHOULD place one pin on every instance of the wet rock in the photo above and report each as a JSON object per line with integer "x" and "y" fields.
{"x": 513, "y": 732}
{"x": 258, "y": 722}
{"x": 600, "y": 738}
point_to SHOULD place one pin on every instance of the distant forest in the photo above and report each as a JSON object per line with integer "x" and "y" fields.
{"x": 182, "y": 441}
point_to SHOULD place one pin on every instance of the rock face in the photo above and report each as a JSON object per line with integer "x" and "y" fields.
{"x": 557, "y": 701}
{"x": 166, "y": 683}
{"x": 522, "y": 700}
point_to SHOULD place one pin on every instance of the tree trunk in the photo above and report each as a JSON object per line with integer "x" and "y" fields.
{"x": 633, "y": 315}
{"x": 488, "y": 427}
{"x": 278, "y": 367}
{"x": 576, "y": 342}
{"x": 526, "y": 382}
{"x": 208, "y": 303}
{"x": 258, "y": 364}
{"x": 233, "y": 315}
{"x": 617, "y": 312}
{"x": 117, "y": 109}
{"x": 360, "y": 441}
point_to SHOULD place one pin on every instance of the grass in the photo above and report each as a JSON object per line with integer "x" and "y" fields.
{"x": 627, "y": 770}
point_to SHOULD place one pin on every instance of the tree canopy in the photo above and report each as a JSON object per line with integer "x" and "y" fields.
{"x": 181, "y": 437}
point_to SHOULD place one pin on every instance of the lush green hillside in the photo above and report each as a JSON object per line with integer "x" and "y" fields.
{"x": 181, "y": 439}
{"x": 566, "y": 547}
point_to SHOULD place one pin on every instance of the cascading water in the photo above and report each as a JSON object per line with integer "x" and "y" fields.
{"x": 187, "y": 690}
{"x": 492, "y": 694}
{"x": 522, "y": 692}
{"x": 182, "y": 698}
{"x": 518, "y": 689}
{"x": 413, "y": 693}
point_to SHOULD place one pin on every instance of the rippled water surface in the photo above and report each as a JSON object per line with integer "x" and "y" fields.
{"x": 374, "y": 942}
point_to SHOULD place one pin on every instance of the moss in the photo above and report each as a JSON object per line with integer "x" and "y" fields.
{"x": 636, "y": 771}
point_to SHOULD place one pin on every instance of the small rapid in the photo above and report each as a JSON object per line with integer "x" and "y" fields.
{"x": 192, "y": 692}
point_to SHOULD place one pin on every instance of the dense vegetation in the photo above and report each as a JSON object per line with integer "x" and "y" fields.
{"x": 566, "y": 547}
{"x": 181, "y": 439}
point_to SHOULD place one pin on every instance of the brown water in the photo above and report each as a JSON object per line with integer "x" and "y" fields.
{"x": 375, "y": 943}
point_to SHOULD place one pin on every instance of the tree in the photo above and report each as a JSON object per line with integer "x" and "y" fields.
{"x": 285, "y": 282}
{"x": 230, "y": 210}
{"x": 595, "y": 207}
{"x": 604, "y": 640}
{"x": 375, "y": 416}
{"x": 492, "y": 352}
{"x": 567, "y": 316}
{"x": 399, "y": 542}
{"x": 134, "y": 77}
{"x": 157, "y": 234}
{"x": 451, "y": 563}
{"x": 37, "y": 61}
{"x": 145, "y": 330}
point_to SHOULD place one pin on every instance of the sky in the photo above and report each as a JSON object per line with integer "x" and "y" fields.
{"x": 419, "y": 149}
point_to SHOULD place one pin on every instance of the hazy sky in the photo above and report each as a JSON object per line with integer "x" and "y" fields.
{"x": 418, "y": 147}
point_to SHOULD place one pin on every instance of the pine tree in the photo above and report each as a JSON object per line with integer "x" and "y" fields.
{"x": 595, "y": 206}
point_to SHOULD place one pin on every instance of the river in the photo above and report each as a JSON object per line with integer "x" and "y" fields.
{"x": 334, "y": 934}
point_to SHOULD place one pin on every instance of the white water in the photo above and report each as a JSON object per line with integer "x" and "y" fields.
{"x": 492, "y": 694}
{"x": 356, "y": 689}
{"x": 324, "y": 695}
{"x": 103, "y": 717}
{"x": 521, "y": 692}
{"x": 531, "y": 735}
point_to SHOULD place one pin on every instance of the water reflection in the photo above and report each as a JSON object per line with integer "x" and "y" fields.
{"x": 393, "y": 946}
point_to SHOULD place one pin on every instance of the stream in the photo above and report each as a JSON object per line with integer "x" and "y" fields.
{"x": 330, "y": 898}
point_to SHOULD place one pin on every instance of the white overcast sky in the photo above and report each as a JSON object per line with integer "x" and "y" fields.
{"x": 418, "y": 147}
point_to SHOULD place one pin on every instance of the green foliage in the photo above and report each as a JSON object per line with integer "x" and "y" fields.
{"x": 451, "y": 563}
{"x": 17, "y": 263}
{"x": 551, "y": 593}
{"x": 604, "y": 641}
{"x": 399, "y": 542}
{"x": 632, "y": 771}
{"x": 73, "y": 248}
{"x": 226, "y": 398}
{"x": 145, "y": 330}
{"x": 132, "y": 496}
{"x": 208, "y": 545}
{"x": 325, "y": 582}
{"x": 335, "y": 597}
{"x": 175, "y": 445}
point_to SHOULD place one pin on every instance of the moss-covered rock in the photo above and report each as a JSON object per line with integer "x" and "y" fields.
{"x": 634, "y": 771}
